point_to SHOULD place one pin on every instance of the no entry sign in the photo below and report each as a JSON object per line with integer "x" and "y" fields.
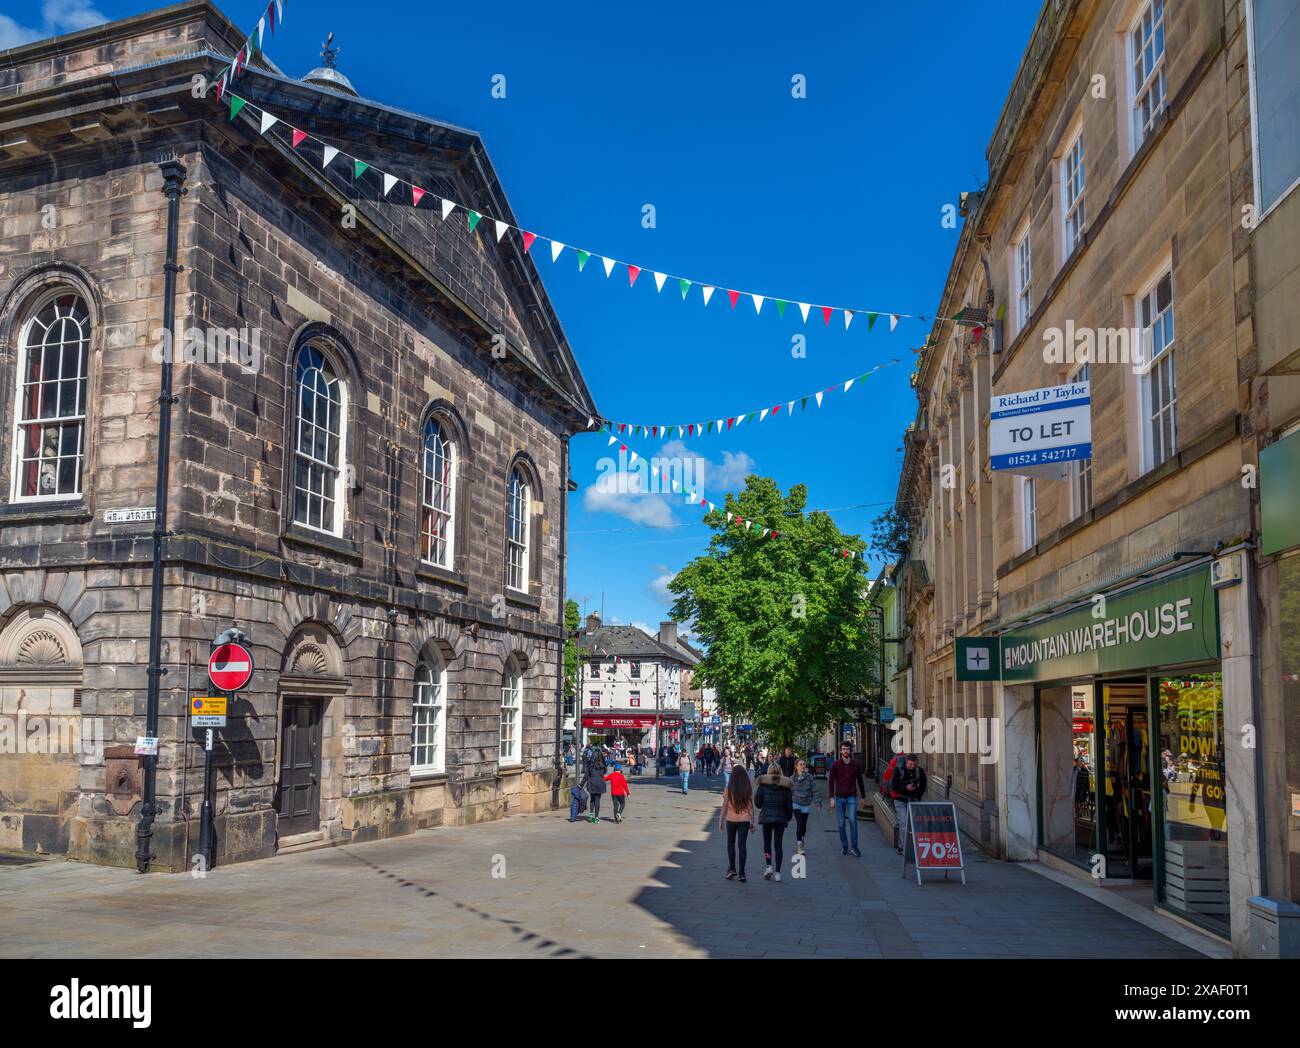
{"x": 230, "y": 667}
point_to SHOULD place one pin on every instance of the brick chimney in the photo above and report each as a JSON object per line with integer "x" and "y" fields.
{"x": 593, "y": 622}
{"x": 668, "y": 634}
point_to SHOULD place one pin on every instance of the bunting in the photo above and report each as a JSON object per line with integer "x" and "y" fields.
{"x": 273, "y": 15}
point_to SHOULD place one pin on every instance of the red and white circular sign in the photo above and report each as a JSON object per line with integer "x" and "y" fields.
{"x": 230, "y": 667}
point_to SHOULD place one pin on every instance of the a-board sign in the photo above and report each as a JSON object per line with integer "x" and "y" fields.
{"x": 208, "y": 711}
{"x": 935, "y": 842}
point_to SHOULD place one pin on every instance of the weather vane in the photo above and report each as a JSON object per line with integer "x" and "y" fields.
{"x": 329, "y": 54}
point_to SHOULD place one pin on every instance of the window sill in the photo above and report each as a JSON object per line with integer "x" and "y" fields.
{"x": 297, "y": 535}
{"x": 508, "y": 770}
{"x": 62, "y": 511}
{"x": 527, "y": 600}
{"x": 433, "y": 573}
{"x": 428, "y": 778}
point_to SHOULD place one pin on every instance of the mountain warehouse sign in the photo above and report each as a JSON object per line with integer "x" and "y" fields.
{"x": 1163, "y": 623}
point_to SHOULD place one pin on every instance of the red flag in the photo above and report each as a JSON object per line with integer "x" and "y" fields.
{"x": 826, "y": 312}
{"x": 298, "y": 137}
{"x": 417, "y": 194}
{"x": 776, "y": 409}
{"x": 528, "y": 239}
{"x": 632, "y": 273}
{"x": 221, "y": 86}
{"x": 622, "y": 427}
{"x": 270, "y": 13}
{"x": 731, "y": 421}
{"x": 690, "y": 429}
{"x": 775, "y": 534}
{"x": 622, "y": 447}
{"x": 733, "y": 295}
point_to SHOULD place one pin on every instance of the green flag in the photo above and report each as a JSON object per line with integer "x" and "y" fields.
{"x": 474, "y": 216}
{"x": 871, "y": 320}
{"x": 803, "y": 404}
{"x": 582, "y": 258}
{"x": 358, "y": 167}
{"x": 685, "y": 285}
{"x": 236, "y": 104}
{"x": 780, "y": 307}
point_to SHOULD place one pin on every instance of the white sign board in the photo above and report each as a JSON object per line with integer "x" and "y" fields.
{"x": 1041, "y": 431}
{"x": 130, "y": 516}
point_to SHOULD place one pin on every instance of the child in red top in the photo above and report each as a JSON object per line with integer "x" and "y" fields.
{"x": 619, "y": 790}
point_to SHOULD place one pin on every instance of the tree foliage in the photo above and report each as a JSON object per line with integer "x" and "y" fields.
{"x": 891, "y": 535}
{"x": 572, "y": 622}
{"x": 784, "y": 624}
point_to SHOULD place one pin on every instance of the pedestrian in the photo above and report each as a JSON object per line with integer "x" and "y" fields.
{"x": 595, "y": 782}
{"x": 728, "y": 765}
{"x": 737, "y": 818}
{"x": 907, "y": 787}
{"x": 684, "y": 767}
{"x": 845, "y": 786}
{"x": 787, "y": 762}
{"x": 631, "y": 761}
{"x": 577, "y": 802}
{"x": 618, "y": 790}
{"x": 804, "y": 796}
{"x": 749, "y": 755}
{"x": 895, "y": 799}
{"x": 774, "y": 797}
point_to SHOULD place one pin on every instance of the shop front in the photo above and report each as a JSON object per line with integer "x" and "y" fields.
{"x": 635, "y": 729}
{"x": 1130, "y": 740}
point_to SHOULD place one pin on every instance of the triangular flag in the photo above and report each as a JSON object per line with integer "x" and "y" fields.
{"x": 803, "y": 403}
{"x": 632, "y": 459}
{"x": 776, "y": 409}
{"x": 474, "y": 216}
{"x": 279, "y": 11}
{"x": 762, "y": 415}
{"x": 270, "y": 14}
{"x": 731, "y": 421}
{"x": 268, "y": 121}
{"x": 221, "y": 85}
{"x": 389, "y": 182}
{"x": 659, "y": 281}
{"x": 848, "y": 385}
{"x": 417, "y": 194}
{"x": 681, "y": 431}
{"x": 501, "y": 228}
{"x": 236, "y": 104}
{"x": 789, "y": 408}
{"x": 612, "y": 440}
{"x": 330, "y": 154}
{"x": 556, "y": 248}
{"x": 582, "y": 258}
{"x": 848, "y": 318}
{"x": 447, "y": 208}
{"x": 684, "y": 284}
{"x": 528, "y": 240}
{"x": 708, "y": 293}
{"x": 734, "y": 296}
{"x": 819, "y": 399}
{"x": 893, "y": 322}
{"x": 871, "y": 320}
{"x": 780, "y": 307}
{"x": 758, "y": 303}
{"x": 298, "y": 137}
{"x": 258, "y": 32}
{"x": 632, "y": 273}
{"x": 609, "y": 264}
{"x": 803, "y": 308}
{"x": 358, "y": 168}
{"x": 826, "y": 312}
{"x": 729, "y": 516}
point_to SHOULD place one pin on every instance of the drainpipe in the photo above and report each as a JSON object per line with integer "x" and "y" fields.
{"x": 173, "y": 172}
{"x": 564, "y": 633}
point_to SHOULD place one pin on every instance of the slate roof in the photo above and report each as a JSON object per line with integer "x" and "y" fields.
{"x": 628, "y": 642}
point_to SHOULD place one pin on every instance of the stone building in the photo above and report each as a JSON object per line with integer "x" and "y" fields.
{"x": 369, "y": 455}
{"x": 1137, "y": 741}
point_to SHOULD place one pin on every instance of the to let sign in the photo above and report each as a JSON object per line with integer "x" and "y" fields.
{"x": 1041, "y": 431}
{"x": 230, "y": 667}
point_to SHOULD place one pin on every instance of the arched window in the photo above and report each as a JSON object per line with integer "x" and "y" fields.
{"x": 429, "y": 716}
{"x": 49, "y": 441}
{"x": 319, "y": 451}
{"x": 517, "y": 548}
{"x": 512, "y": 713}
{"x": 438, "y": 495}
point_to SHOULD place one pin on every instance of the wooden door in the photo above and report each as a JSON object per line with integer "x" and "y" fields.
{"x": 298, "y": 794}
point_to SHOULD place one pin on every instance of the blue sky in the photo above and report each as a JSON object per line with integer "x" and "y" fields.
{"x": 833, "y": 198}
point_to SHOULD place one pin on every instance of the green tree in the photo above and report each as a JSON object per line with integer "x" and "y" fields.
{"x": 783, "y": 620}
{"x": 572, "y": 622}
{"x": 891, "y": 535}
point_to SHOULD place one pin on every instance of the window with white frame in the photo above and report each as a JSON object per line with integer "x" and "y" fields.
{"x": 49, "y": 439}
{"x": 438, "y": 495}
{"x": 1023, "y": 273}
{"x": 1028, "y": 512}
{"x": 1072, "y": 188}
{"x": 593, "y": 698}
{"x": 1274, "y": 43}
{"x": 1081, "y": 471}
{"x": 634, "y": 699}
{"x": 517, "y": 538}
{"x": 429, "y": 717}
{"x": 512, "y": 713}
{"x": 1146, "y": 55}
{"x": 634, "y": 670}
{"x": 321, "y": 415}
{"x": 1159, "y": 378}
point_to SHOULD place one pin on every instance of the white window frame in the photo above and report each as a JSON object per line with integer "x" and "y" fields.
{"x": 1074, "y": 188}
{"x": 518, "y": 523}
{"x": 1022, "y": 276}
{"x": 1028, "y": 513}
{"x": 634, "y": 699}
{"x": 1154, "y": 77}
{"x": 300, "y": 456}
{"x": 429, "y": 490}
{"x": 510, "y": 738}
{"x": 77, "y": 418}
{"x": 593, "y": 699}
{"x": 1081, "y": 477}
{"x": 1159, "y": 365}
{"x": 429, "y": 715}
{"x": 1263, "y": 209}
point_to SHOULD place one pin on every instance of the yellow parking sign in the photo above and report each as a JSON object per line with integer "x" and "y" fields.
{"x": 208, "y": 711}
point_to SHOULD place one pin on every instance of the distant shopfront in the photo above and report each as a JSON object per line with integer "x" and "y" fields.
{"x": 1129, "y": 733}
{"x": 634, "y": 729}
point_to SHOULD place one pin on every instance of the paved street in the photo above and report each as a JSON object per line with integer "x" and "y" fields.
{"x": 650, "y": 887}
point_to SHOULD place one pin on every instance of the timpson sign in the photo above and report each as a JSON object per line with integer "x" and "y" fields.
{"x": 1171, "y": 621}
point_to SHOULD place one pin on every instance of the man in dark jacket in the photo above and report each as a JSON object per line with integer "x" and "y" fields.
{"x": 774, "y": 798}
{"x": 593, "y": 778}
{"x": 787, "y": 761}
{"x": 846, "y": 785}
{"x": 906, "y": 787}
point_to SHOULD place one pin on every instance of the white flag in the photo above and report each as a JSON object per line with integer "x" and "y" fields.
{"x": 611, "y": 440}
{"x": 708, "y": 293}
{"x": 268, "y": 121}
{"x": 681, "y": 431}
{"x": 893, "y": 322}
{"x": 762, "y": 415}
{"x": 389, "y": 182}
{"x": 632, "y": 460}
{"x": 789, "y": 408}
{"x": 659, "y": 281}
{"x": 501, "y": 228}
{"x": 848, "y": 318}
{"x": 609, "y": 264}
{"x": 556, "y": 248}
{"x": 758, "y": 303}
{"x": 819, "y": 400}
{"x": 803, "y": 308}
{"x": 848, "y": 384}
{"x": 729, "y": 516}
{"x": 330, "y": 154}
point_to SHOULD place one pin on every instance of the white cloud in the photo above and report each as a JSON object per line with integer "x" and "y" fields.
{"x": 57, "y": 17}
{"x": 659, "y": 585}
{"x": 715, "y": 479}
{"x": 651, "y": 510}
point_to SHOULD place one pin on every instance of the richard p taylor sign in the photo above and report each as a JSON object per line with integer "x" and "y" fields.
{"x": 1041, "y": 431}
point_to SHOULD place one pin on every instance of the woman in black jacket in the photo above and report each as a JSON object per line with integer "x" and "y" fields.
{"x": 594, "y": 781}
{"x": 774, "y": 798}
